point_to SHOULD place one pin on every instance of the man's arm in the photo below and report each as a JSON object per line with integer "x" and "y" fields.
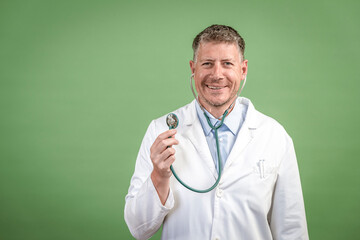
{"x": 162, "y": 156}
{"x": 146, "y": 204}
{"x": 288, "y": 220}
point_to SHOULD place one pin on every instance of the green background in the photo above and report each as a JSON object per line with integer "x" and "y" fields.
{"x": 81, "y": 80}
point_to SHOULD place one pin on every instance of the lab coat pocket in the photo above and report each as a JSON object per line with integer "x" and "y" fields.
{"x": 261, "y": 186}
{"x": 264, "y": 169}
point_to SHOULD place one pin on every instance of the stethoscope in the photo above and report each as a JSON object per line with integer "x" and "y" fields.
{"x": 173, "y": 121}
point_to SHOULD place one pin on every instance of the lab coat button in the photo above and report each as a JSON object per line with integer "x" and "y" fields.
{"x": 219, "y": 193}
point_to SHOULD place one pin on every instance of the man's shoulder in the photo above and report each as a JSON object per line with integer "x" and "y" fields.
{"x": 264, "y": 122}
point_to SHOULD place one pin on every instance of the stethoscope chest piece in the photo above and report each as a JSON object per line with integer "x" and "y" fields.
{"x": 172, "y": 121}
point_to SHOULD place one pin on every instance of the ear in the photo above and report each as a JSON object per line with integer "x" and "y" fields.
{"x": 192, "y": 66}
{"x": 244, "y": 68}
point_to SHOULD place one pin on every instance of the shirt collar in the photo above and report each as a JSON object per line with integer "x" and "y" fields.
{"x": 232, "y": 122}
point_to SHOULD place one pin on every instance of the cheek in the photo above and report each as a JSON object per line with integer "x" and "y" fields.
{"x": 200, "y": 78}
{"x": 235, "y": 77}
{"x": 197, "y": 84}
{"x": 201, "y": 74}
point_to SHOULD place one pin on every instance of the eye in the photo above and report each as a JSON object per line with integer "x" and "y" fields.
{"x": 206, "y": 64}
{"x": 228, "y": 63}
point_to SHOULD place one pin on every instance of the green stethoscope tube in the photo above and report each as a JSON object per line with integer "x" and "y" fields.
{"x": 215, "y": 128}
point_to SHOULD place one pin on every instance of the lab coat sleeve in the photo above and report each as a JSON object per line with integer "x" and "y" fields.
{"x": 287, "y": 219}
{"x": 144, "y": 212}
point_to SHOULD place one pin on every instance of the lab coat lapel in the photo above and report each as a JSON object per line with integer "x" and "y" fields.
{"x": 245, "y": 135}
{"x": 196, "y": 136}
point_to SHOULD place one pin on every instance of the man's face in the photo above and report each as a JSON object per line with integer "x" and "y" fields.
{"x": 218, "y": 71}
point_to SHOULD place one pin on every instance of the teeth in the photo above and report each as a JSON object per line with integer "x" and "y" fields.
{"x": 211, "y": 87}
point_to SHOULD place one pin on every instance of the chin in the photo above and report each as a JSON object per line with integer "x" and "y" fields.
{"x": 218, "y": 103}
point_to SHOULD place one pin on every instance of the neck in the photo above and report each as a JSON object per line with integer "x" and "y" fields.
{"x": 218, "y": 111}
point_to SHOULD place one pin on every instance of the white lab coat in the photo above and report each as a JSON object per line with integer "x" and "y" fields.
{"x": 259, "y": 195}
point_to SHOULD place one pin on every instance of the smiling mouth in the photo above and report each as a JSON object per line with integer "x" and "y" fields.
{"x": 215, "y": 87}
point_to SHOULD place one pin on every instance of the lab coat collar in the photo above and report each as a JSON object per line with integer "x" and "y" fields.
{"x": 231, "y": 122}
{"x": 251, "y": 115}
{"x": 196, "y": 135}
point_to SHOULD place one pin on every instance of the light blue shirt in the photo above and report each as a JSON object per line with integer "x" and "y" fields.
{"x": 227, "y": 133}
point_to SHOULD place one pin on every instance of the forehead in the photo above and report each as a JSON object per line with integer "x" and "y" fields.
{"x": 218, "y": 50}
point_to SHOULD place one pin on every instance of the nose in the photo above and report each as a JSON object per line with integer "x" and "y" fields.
{"x": 217, "y": 71}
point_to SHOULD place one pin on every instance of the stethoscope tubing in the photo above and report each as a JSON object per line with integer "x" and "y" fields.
{"x": 215, "y": 128}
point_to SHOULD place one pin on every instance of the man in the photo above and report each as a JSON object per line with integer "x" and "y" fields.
{"x": 259, "y": 194}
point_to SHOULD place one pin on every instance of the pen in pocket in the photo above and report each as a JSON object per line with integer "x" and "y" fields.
{"x": 261, "y": 168}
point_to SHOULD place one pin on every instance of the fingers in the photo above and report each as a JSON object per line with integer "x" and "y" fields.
{"x": 170, "y": 160}
{"x": 157, "y": 156}
{"x": 161, "y": 154}
{"x": 163, "y": 167}
{"x": 164, "y": 140}
{"x": 167, "y": 155}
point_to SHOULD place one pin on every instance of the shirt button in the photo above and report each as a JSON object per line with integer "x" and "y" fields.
{"x": 219, "y": 192}
{"x": 221, "y": 139}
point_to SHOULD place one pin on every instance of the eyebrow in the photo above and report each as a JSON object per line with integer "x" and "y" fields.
{"x": 206, "y": 59}
{"x": 222, "y": 60}
{"x": 228, "y": 59}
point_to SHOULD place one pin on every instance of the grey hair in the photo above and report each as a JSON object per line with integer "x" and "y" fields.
{"x": 219, "y": 33}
